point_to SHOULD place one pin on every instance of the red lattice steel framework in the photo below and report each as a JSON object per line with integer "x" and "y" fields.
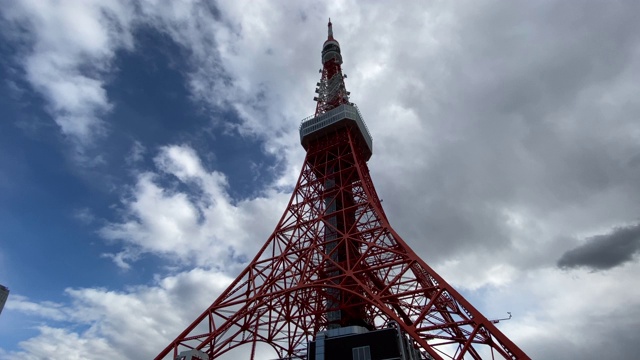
{"x": 334, "y": 260}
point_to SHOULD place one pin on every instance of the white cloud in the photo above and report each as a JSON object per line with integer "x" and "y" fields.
{"x": 192, "y": 220}
{"x": 45, "y": 309}
{"x": 65, "y": 344}
{"x": 103, "y": 324}
{"x": 69, "y": 50}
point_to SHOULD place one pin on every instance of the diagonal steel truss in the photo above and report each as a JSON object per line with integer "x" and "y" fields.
{"x": 348, "y": 260}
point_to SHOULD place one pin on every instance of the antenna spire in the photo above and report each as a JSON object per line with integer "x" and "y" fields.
{"x": 331, "y": 89}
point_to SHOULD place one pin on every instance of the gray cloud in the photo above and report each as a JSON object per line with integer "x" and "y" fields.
{"x": 605, "y": 251}
{"x": 508, "y": 112}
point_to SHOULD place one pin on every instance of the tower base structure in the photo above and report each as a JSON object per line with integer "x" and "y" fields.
{"x": 359, "y": 343}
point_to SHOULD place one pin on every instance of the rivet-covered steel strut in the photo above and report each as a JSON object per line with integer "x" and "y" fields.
{"x": 334, "y": 260}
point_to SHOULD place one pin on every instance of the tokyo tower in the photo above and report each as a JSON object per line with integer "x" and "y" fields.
{"x": 335, "y": 281}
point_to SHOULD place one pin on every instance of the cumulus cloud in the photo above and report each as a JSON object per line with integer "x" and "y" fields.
{"x": 67, "y": 52}
{"x": 105, "y": 324}
{"x": 67, "y": 344}
{"x": 605, "y": 251}
{"x": 183, "y": 212}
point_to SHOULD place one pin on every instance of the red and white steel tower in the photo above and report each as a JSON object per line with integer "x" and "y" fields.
{"x": 334, "y": 261}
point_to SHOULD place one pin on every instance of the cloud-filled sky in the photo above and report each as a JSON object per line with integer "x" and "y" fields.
{"x": 148, "y": 149}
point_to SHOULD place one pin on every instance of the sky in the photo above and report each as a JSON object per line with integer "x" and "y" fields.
{"x": 148, "y": 149}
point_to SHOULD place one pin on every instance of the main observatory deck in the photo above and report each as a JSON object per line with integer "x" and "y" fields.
{"x": 314, "y": 126}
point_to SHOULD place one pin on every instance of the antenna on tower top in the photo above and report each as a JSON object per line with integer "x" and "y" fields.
{"x": 330, "y": 29}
